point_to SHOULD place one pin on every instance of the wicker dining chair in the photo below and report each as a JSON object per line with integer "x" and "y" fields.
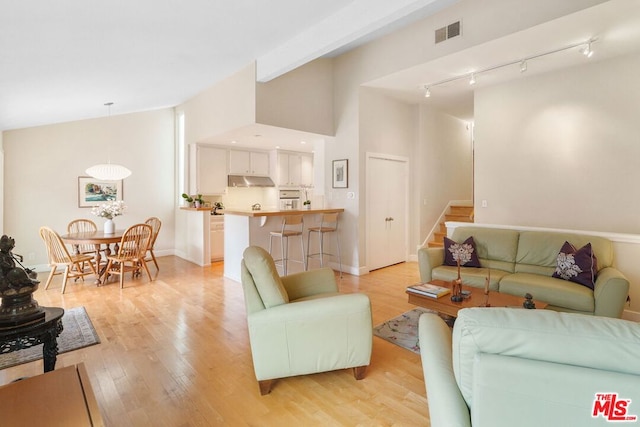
{"x": 155, "y": 224}
{"x": 130, "y": 257}
{"x": 60, "y": 256}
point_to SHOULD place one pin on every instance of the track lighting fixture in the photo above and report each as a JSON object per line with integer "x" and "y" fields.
{"x": 586, "y": 50}
{"x": 523, "y": 66}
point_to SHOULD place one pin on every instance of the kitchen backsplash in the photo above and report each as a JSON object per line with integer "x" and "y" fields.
{"x": 243, "y": 198}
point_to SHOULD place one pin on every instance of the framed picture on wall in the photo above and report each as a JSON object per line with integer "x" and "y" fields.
{"x": 92, "y": 192}
{"x": 341, "y": 173}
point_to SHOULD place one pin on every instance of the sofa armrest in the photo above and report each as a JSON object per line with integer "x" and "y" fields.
{"x": 610, "y": 293}
{"x": 428, "y": 259}
{"x": 446, "y": 404}
{"x": 309, "y": 283}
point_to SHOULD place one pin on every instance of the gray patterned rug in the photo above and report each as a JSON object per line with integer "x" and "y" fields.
{"x": 77, "y": 332}
{"x": 403, "y": 330}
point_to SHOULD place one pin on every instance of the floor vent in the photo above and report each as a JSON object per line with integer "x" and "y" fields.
{"x": 445, "y": 33}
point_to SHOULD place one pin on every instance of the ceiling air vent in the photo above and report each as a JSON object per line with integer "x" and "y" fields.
{"x": 445, "y": 33}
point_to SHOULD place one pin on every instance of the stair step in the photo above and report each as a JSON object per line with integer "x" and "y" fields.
{"x": 456, "y": 213}
{"x": 439, "y": 237}
{"x": 461, "y": 210}
{"x": 458, "y": 218}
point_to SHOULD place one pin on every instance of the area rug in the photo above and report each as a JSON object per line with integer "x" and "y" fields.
{"x": 78, "y": 332}
{"x": 402, "y": 330}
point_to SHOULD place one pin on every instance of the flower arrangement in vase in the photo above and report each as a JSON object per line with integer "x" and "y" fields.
{"x": 461, "y": 253}
{"x": 109, "y": 210}
{"x": 307, "y": 202}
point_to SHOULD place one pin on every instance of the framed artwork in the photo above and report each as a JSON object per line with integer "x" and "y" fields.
{"x": 92, "y": 192}
{"x": 341, "y": 173}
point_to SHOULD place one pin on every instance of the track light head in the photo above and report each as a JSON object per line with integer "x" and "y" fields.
{"x": 427, "y": 92}
{"x": 587, "y": 50}
{"x": 523, "y": 66}
{"x": 472, "y": 80}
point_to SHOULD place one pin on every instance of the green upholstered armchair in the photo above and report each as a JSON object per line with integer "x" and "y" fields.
{"x": 299, "y": 324}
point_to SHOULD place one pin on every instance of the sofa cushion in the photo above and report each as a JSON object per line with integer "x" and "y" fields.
{"x": 556, "y": 292}
{"x": 496, "y": 248}
{"x": 464, "y": 252}
{"x": 577, "y": 265}
{"x": 538, "y": 250}
{"x": 265, "y": 276}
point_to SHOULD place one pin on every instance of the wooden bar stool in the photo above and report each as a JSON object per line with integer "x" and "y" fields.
{"x": 328, "y": 224}
{"x": 292, "y": 226}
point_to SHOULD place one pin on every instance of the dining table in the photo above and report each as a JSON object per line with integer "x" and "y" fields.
{"x": 99, "y": 239}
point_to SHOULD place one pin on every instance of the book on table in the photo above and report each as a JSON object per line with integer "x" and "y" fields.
{"x": 429, "y": 290}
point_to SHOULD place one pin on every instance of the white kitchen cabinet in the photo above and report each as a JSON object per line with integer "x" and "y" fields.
{"x": 306, "y": 170}
{"x": 217, "y": 238}
{"x": 248, "y": 163}
{"x": 210, "y": 173}
{"x": 295, "y": 169}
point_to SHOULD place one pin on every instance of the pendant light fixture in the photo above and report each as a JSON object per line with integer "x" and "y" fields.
{"x": 108, "y": 171}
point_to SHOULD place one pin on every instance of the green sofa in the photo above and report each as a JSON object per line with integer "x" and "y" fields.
{"x": 515, "y": 367}
{"x": 523, "y": 262}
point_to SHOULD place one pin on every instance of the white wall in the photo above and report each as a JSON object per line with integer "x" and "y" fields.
{"x": 561, "y": 150}
{"x": 42, "y": 166}
{"x": 301, "y": 99}
{"x": 227, "y": 105}
{"x": 402, "y": 49}
{"x": 445, "y": 166}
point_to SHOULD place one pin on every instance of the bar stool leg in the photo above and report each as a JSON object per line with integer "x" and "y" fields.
{"x": 285, "y": 250}
{"x": 339, "y": 254}
{"x": 308, "y": 244}
{"x": 321, "y": 237}
{"x": 304, "y": 258}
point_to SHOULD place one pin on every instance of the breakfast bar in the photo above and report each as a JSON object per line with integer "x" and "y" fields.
{"x": 245, "y": 228}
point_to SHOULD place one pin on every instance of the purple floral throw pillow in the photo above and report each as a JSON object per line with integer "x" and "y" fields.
{"x": 577, "y": 265}
{"x": 465, "y": 252}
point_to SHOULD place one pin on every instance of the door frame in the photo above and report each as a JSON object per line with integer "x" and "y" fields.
{"x": 405, "y": 161}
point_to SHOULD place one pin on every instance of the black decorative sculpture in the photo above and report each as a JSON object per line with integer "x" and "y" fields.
{"x": 17, "y": 285}
{"x": 528, "y": 301}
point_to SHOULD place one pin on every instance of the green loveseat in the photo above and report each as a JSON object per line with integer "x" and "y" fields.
{"x": 523, "y": 262}
{"x": 515, "y": 367}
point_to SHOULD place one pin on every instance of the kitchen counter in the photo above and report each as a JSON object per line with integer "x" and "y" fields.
{"x": 243, "y": 228}
{"x": 271, "y": 212}
{"x": 185, "y": 208}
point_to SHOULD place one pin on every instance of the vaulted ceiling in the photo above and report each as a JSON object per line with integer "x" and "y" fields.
{"x": 62, "y": 60}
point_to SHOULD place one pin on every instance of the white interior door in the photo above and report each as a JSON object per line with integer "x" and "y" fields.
{"x": 387, "y": 210}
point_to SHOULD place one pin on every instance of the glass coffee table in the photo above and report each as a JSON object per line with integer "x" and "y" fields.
{"x": 476, "y": 298}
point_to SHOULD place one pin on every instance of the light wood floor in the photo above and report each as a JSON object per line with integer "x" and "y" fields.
{"x": 175, "y": 352}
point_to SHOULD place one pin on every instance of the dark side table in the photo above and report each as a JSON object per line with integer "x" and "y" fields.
{"x": 41, "y": 332}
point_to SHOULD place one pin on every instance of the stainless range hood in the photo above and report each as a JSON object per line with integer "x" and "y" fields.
{"x": 250, "y": 181}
